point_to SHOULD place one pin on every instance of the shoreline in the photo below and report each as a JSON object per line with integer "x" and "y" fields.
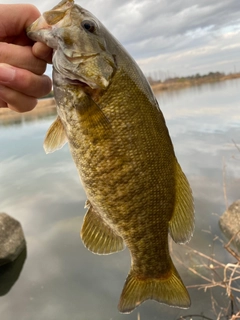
{"x": 43, "y": 108}
{"x": 181, "y": 83}
{"x": 47, "y": 106}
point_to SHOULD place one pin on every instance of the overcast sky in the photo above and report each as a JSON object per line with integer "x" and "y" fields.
{"x": 177, "y": 37}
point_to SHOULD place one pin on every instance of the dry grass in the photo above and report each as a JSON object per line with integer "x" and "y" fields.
{"x": 216, "y": 274}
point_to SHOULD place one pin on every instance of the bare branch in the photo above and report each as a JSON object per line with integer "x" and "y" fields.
{"x": 224, "y": 183}
{"x": 194, "y": 315}
{"x": 238, "y": 148}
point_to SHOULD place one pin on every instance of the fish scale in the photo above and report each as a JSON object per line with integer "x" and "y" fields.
{"x": 137, "y": 193}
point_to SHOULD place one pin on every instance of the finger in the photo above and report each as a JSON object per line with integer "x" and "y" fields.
{"x": 17, "y": 101}
{"x": 3, "y": 104}
{"x": 21, "y": 57}
{"x": 24, "y": 81}
{"x": 43, "y": 52}
{"x": 21, "y": 16}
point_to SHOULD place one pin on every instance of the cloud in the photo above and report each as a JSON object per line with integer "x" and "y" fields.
{"x": 181, "y": 36}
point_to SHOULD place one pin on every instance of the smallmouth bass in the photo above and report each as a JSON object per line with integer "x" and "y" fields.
{"x": 137, "y": 193}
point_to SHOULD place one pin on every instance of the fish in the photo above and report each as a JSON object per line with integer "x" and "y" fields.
{"x": 137, "y": 193}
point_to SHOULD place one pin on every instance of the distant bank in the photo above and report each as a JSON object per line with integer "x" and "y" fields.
{"x": 46, "y": 106}
{"x": 183, "y": 82}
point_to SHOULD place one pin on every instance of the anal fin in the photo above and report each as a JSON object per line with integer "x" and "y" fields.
{"x": 98, "y": 236}
{"x": 181, "y": 225}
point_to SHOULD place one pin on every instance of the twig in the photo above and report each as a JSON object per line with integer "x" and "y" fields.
{"x": 224, "y": 183}
{"x": 199, "y": 274}
{"x": 210, "y": 258}
{"x": 236, "y": 316}
{"x": 206, "y": 286}
{"x": 214, "y": 303}
{"x": 194, "y": 315}
{"x": 231, "y": 251}
{"x": 238, "y": 148}
{"x": 207, "y": 257}
{"x": 229, "y": 281}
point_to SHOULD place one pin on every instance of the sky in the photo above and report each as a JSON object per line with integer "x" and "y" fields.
{"x": 170, "y": 38}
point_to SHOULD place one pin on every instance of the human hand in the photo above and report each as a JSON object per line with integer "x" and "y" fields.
{"x": 22, "y": 63}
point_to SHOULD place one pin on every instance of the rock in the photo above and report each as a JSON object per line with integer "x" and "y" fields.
{"x": 230, "y": 223}
{"x": 12, "y": 241}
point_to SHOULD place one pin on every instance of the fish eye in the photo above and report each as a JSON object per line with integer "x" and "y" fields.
{"x": 89, "y": 25}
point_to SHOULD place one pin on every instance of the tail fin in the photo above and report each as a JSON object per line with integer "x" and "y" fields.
{"x": 170, "y": 290}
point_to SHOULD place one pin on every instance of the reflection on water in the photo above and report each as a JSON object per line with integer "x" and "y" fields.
{"x": 61, "y": 279}
{"x": 9, "y": 273}
{"x": 44, "y": 109}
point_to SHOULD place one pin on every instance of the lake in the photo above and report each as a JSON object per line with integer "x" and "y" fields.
{"x": 60, "y": 279}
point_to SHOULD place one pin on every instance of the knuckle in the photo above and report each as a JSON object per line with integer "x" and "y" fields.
{"x": 38, "y": 66}
{"x": 33, "y": 63}
{"x": 25, "y": 80}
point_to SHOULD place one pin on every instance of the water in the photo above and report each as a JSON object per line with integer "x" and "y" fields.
{"x": 60, "y": 279}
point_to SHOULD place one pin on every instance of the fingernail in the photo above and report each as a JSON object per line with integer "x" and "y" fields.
{"x": 7, "y": 73}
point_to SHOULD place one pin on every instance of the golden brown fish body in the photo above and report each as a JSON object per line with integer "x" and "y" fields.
{"x": 137, "y": 192}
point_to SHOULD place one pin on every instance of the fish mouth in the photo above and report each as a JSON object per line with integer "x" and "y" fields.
{"x": 41, "y": 30}
{"x": 77, "y": 82}
{"x": 74, "y": 76}
{"x": 87, "y": 68}
{"x": 86, "y": 85}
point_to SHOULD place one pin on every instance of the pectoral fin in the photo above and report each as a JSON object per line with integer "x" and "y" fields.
{"x": 181, "y": 225}
{"x": 92, "y": 115}
{"x": 56, "y": 137}
{"x": 98, "y": 236}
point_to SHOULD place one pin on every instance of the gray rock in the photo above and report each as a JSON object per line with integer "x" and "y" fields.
{"x": 12, "y": 241}
{"x": 230, "y": 223}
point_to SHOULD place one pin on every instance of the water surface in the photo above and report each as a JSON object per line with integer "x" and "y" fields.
{"x": 60, "y": 278}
